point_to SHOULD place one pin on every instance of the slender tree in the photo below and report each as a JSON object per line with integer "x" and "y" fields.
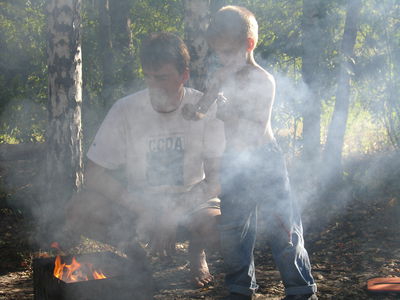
{"x": 391, "y": 102}
{"x": 64, "y": 132}
{"x": 312, "y": 32}
{"x": 123, "y": 40}
{"x": 107, "y": 55}
{"x": 337, "y": 127}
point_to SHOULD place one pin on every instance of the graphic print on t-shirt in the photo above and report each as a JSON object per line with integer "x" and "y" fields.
{"x": 164, "y": 157}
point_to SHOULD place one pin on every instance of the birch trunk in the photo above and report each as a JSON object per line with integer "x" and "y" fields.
{"x": 63, "y": 165}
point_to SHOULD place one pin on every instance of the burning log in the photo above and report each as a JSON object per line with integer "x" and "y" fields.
{"x": 82, "y": 277}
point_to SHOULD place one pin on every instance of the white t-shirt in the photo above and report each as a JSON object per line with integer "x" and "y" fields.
{"x": 161, "y": 152}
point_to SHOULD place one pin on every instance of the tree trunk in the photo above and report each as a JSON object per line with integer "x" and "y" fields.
{"x": 106, "y": 49}
{"x": 123, "y": 40}
{"x": 337, "y": 127}
{"x": 391, "y": 102}
{"x": 63, "y": 165}
{"x": 312, "y": 31}
{"x": 197, "y": 18}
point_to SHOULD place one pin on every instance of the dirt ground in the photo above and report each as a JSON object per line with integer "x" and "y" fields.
{"x": 358, "y": 244}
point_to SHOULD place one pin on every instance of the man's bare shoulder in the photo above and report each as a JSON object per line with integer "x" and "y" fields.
{"x": 254, "y": 73}
{"x": 259, "y": 74}
{"x": 255, "y": 78}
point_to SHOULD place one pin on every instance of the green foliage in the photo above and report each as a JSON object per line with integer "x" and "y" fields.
{"x": 374, "y": 119}
{"x": 146, "y": 17}
{"x": 378, "y": 66}
{"x": 23, "y": 84}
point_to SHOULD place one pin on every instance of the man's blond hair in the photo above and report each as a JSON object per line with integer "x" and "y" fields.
{"x": 233, "y": 23}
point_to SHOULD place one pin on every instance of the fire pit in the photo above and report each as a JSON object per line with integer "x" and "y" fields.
{"x": 109, "y": 276}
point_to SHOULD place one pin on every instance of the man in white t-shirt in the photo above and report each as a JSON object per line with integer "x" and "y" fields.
{"x": 170, "y": 164}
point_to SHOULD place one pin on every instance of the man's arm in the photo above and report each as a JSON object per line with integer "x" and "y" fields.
{"x": 98, "y": 179}
{"x": 209, "y": 187}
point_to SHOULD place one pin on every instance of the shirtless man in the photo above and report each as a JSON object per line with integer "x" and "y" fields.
{"x": 254, "y": 178}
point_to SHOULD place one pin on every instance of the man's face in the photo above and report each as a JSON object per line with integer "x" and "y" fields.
{"x": 228, "y": 53}
{"x": 165, "y": 87}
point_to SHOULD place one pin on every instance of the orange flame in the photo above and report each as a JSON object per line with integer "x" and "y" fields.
{"x": 98, "y": 275}
{"x": 58, "y": 268}
{"x": 75, "y": 271}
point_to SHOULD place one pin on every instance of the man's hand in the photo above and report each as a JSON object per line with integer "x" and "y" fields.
{"x": 224, "y": 110}
{"x": 189, "y": 112}
{"x": 199, "y": 110}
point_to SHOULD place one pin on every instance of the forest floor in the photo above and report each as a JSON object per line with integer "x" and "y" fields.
{"x": 359, "y": 242}
{"x": 354, "y": 247}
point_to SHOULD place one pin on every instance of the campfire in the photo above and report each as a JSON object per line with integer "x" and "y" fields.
{"x": 75, "y": 271}
{"x": 99, "y": 275}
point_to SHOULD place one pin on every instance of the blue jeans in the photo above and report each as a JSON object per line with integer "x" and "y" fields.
{"x": 256, "y": 183}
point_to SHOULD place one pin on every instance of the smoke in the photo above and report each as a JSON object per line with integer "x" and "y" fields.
{"x": 309, "y": 178}
{"x": 364, "y": 175}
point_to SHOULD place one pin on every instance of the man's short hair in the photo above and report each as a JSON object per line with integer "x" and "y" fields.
{"x": 164, "y": 48}
{"x": 233, "y": 24}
